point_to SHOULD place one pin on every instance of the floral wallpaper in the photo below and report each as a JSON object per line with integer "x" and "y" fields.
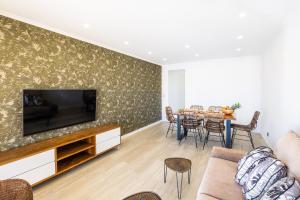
{"x": 129, "y": 89}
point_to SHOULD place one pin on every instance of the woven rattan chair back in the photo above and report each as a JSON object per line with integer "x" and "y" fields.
{"x": 214, "y": 109}
{"x": 254, "y": 120}
{"x": 197, "y": 107}
{"x": 169, "y": 114}
{"x": 215, "y": 125}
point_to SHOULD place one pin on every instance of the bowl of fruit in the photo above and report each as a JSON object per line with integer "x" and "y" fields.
{"x": 229, "y": 110}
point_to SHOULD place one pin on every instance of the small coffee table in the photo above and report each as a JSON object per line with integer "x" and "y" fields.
{"x": 179, "y": 165}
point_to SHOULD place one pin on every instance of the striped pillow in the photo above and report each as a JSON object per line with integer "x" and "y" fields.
{"x": 262, "y": 177}
{"x": 285, "y": 189}
{"x": 250, "y": 161}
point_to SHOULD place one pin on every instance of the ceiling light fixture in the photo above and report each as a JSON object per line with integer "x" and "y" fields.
{"x": 238, "y": 49}
{"x": 86, "y": 26}
{"x": 240, "y": 37}
{"x": 197, "y": 55}
{"x": 149, "y": 52}
{"x": 126, "y": 42}
{"x": 243, "y": 15}
{"x": 187, "y": 46}
{"x": 164, "y": 59}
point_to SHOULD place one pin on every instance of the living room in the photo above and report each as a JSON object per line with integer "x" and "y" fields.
{"x": 149, "y": 100}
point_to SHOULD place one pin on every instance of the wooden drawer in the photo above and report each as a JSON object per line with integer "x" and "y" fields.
{"x": 38, "y": 174}
{"x": 26, "y": 164}
{"x": 108, "y": 144}
{"x": 108, "y": 135}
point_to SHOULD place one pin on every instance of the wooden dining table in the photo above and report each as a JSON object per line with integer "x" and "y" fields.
{"x": 227, "y": 120}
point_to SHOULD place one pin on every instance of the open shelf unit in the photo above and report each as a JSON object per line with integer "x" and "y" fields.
{"x": 74, "y": 153}
{"x": 40, "y": 161}
{"x": 73, "y": 148}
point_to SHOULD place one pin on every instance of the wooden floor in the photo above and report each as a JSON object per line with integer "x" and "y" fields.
{"x": 136, "y": 166}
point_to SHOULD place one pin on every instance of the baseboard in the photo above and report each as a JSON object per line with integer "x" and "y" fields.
{"x": 141, "y": 129}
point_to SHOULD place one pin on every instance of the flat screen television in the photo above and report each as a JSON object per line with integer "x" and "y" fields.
{"x": 45, "y": 110}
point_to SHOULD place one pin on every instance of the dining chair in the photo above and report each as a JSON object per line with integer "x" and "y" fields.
{"x": 192, "y": 124}
{"x": 245, "y": 128}
{"x": 214, "y": 126}
{"x": 197, "y": 107}
{"x": 171, "y": 119}
{"x": 214, "y": 108}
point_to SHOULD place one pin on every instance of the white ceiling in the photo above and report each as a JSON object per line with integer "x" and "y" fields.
{"x": 164, "y": 27}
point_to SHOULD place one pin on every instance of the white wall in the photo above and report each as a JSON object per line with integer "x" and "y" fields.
{"x": 281, "y": 81}
{"x": 176, "y": 88}
{"x": 221, "y": 82}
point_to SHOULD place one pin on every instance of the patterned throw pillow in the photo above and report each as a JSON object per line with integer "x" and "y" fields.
{"x": 262, "y": 177}
{"x": 285, "y": 189}
{"x": 250, "y": 161}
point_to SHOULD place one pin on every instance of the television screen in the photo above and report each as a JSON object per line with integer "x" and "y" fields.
{"x": 45, "y": 110}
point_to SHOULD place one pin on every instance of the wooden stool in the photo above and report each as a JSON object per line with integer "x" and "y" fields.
{"x": 179, "y": 165}
{"x": 143, "y": 196}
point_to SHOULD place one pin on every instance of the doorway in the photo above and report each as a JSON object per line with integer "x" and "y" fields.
{"x": 176, "y": 89}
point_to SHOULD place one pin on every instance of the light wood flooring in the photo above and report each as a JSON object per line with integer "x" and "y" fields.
{"x": 136, "y": 166}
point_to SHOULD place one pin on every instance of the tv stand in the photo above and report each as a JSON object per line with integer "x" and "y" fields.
{"x": 40, "y": 161}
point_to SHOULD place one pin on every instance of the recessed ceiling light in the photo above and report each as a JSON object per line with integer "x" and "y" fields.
{"x": 238, "y": 49}
{"x": 197, "y": 55}
{"x": 149, "y": 52}
{"x": 126, "y": 42}
{"x": 86, "y": 26}
{"x": 165, "y": 59}
{"x": 187, "y": 46}
{"x": 240, "y": 37}
{"x": 243, "y": 14}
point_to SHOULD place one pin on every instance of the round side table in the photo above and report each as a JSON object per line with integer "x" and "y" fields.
{"x": 143, "y": 196}
{"x": 179, "y": 165}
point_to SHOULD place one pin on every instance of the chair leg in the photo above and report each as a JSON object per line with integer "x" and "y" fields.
{"x": 223, "y": 139}
{"x": 201, "y": 132}
{"x": 205, "y": 140}
{"x": 168, "y": 129}
{"x": 195, "y": 137}
{"x": 220, "y": 137}
{"x": 172, "y": 128}
{"x": 233, "y": 136}
{"x": 251, "y": 139}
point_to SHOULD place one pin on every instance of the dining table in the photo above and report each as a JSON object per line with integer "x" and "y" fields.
{"x": 227, "y": 120}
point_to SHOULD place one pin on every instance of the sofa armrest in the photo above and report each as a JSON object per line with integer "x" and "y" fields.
{"x": 227, "y": 154}
{"x": 15, "y": 189}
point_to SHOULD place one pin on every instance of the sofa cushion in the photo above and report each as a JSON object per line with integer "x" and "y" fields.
{"x": 218, "y": 180}
{"x": 250, "y": 161}
{"x": 288, "y": 150}
{"x": 262, "y": 177}
{"x": 233, "y": 155}
{"x": 285, "y": 188}
{"x": 205, "y": 197}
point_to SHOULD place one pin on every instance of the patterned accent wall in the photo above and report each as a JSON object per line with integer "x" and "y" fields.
{"x": 129, "y": 89}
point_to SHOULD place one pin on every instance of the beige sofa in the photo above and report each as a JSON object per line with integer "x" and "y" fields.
{"x": 218, "y": 180}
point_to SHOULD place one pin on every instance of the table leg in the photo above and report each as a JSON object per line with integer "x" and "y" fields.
{"x": 178, "y": 134}
{"x": 228, "y": 134}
